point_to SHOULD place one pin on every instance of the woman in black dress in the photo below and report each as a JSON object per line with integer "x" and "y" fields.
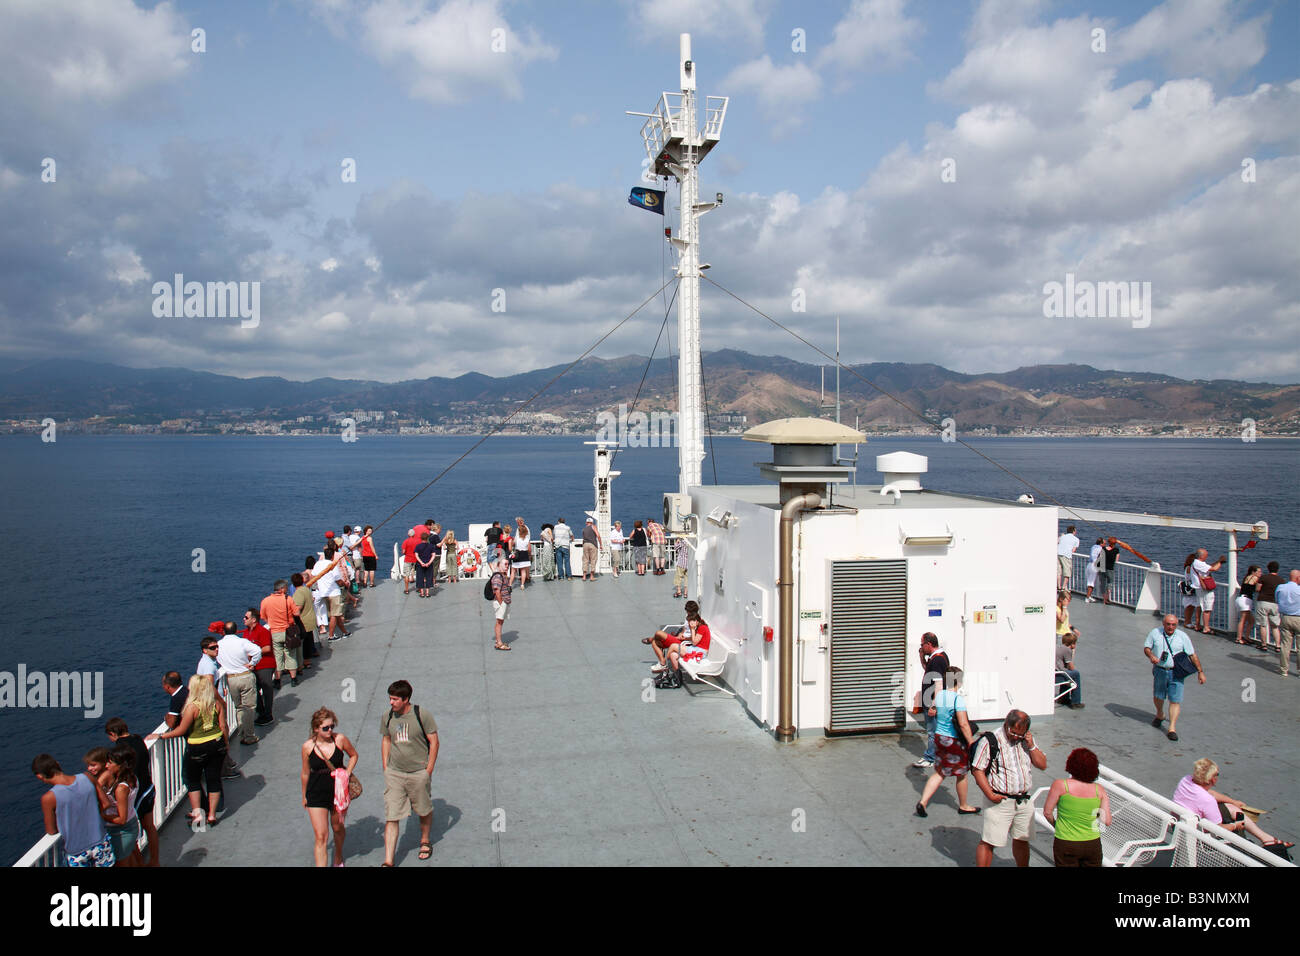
{"x": 321, "y": 756}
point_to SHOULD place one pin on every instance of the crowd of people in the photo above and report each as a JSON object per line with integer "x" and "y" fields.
{"x": 102, "y": 811}
{"x": 1002, "y": 761}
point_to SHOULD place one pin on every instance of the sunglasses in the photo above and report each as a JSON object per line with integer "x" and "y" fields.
{"x": 328, "y": 728}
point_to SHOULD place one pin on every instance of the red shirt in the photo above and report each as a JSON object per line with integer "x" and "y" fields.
{"x": 262, "y": 638}
{"x": 408, "y": 548}
{"x": 701, "y": 636}
{"x": 367, "y": 549}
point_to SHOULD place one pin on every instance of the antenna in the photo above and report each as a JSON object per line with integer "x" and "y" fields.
{"x": 675, "y": 145}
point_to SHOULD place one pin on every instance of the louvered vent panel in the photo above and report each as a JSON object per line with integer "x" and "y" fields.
{"x": 868, "y": 644}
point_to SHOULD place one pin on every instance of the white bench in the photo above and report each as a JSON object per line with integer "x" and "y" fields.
{"x": 720, "y": 648}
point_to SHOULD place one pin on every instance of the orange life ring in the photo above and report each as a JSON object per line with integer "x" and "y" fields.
{"x": 468, "y": 560}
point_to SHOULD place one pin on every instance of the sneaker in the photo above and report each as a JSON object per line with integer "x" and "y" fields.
{"x": 263, "y": 721}
{"x": 923, "y": 762}
{"x": 293, "y": 682}
{"x": 658, "y": 668}
{"x": 1090, "y": 600}
{"x": 276, "y": 683}
{"x": 230, "y": 773}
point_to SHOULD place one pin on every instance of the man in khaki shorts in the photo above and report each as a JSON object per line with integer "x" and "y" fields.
{"x": 1007, "y": 781}
{"x": 408, "y": 749}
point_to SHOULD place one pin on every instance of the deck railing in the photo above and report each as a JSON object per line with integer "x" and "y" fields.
{"x": 1150, "y": 589}
{"x": 166, "y": 759}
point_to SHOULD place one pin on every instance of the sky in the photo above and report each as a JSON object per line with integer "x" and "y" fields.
{"x": 418, "y": 188}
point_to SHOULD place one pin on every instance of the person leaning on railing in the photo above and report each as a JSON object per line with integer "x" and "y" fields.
{"x": 203, "y": 725}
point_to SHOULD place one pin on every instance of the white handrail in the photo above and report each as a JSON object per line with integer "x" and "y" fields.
{"x": 166, "y": 760}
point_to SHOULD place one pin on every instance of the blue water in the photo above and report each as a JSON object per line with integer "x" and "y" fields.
{"x": 101, "y": 532}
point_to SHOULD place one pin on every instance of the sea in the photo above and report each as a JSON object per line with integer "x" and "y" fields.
{"x": 124, "y": 548}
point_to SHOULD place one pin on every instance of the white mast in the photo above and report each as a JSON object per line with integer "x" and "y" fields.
{"x": 675, "y": 146}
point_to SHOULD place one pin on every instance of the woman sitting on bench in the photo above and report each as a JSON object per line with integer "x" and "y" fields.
{"x": 672, "y": 645}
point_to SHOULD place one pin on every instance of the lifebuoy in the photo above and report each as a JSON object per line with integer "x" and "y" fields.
{"x": 468, "y": 560}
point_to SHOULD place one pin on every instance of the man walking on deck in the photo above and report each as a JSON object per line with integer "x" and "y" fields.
{"x": 500, "y": 582}
{"x": 1162, "y": 644}
{"x": 408, "y": 751}
{"x": 1288, "y": 606}
{"x": 1002, "y": 766}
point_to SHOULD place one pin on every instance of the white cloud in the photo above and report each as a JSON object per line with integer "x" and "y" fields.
{"x": 872, "y": 36}
{"x": 780, "y": 90}
{"x": 1196, "y": 37}
{"x": 449, "y": 54}
{"x": 718, "y": 18}
{"x": 66, "y": 51}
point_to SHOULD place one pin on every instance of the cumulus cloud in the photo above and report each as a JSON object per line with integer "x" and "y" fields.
{"x": 872, "y": 36}
{"x": 447, "y": 54}
{"x": 717, "y": 18}
{"x": 780, "y": 90}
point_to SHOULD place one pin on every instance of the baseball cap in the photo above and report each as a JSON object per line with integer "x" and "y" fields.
{"x": 329, "y": 534}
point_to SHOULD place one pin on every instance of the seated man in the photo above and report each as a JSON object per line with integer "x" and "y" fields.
{"x": 1065, "y": 664}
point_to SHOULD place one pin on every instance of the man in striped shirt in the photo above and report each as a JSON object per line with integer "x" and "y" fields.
{"x": 1006, "y": 782}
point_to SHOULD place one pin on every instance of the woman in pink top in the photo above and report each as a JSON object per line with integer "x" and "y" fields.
{"x": 1194, "y": 792}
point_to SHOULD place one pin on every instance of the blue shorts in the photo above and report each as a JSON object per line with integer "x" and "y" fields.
{"x": 1165, "y": 686}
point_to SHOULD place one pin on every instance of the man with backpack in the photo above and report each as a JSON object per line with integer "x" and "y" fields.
{"x": 408, "y": 749}
{"x": 1002, "y": 763}
{"x": 497, "y": 590}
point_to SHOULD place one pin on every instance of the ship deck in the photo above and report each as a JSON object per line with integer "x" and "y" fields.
{"x": 552, "y": 754}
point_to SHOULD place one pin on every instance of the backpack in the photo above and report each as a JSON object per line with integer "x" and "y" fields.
{"x": 992, "y": 768}
{"x": 424, "y": 736}
{"x": 488, "y": 594}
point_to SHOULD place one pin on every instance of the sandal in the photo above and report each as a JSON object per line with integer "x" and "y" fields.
{"x": 502, "y": 647}
{"x": 426, "y": 850}
{"x": 646, "y": 640}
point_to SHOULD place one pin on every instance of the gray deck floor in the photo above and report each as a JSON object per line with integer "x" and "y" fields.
{"x": 554, "y": 743}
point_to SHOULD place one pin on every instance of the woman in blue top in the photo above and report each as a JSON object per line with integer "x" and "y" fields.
{"x": 952, "y": 737}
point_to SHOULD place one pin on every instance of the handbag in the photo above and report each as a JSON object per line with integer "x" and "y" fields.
{"x": 1183, "y": 666}
{"x": 1207, "y": 583}
{"x": 354, "y": 782}
{"x": 293, "y": 636}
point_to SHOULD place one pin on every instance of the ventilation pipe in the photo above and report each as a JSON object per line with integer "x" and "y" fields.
{"x": 785, "y": 600}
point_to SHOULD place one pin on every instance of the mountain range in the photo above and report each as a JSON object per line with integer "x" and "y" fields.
{"x": 878, "y": 395}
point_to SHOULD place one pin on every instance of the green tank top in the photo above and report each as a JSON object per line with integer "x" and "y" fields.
{"x": 205, "y": 727}
{"x": 1076, "y": 816}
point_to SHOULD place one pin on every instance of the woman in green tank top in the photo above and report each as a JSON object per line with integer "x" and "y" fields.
{"x": 1078, "y": 807}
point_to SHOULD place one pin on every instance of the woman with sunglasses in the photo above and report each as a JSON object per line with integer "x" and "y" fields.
{"x": 321, "y": 756}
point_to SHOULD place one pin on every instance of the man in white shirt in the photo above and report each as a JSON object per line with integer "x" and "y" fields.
{"x": 1066, "y": 545}
{"x": 1090, "y": 574}
{"x": 563, "y": 539}
{"x": 327, "y": 591}
{"x": 236, "y": 656}
{"x": 1204, "y": 598}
